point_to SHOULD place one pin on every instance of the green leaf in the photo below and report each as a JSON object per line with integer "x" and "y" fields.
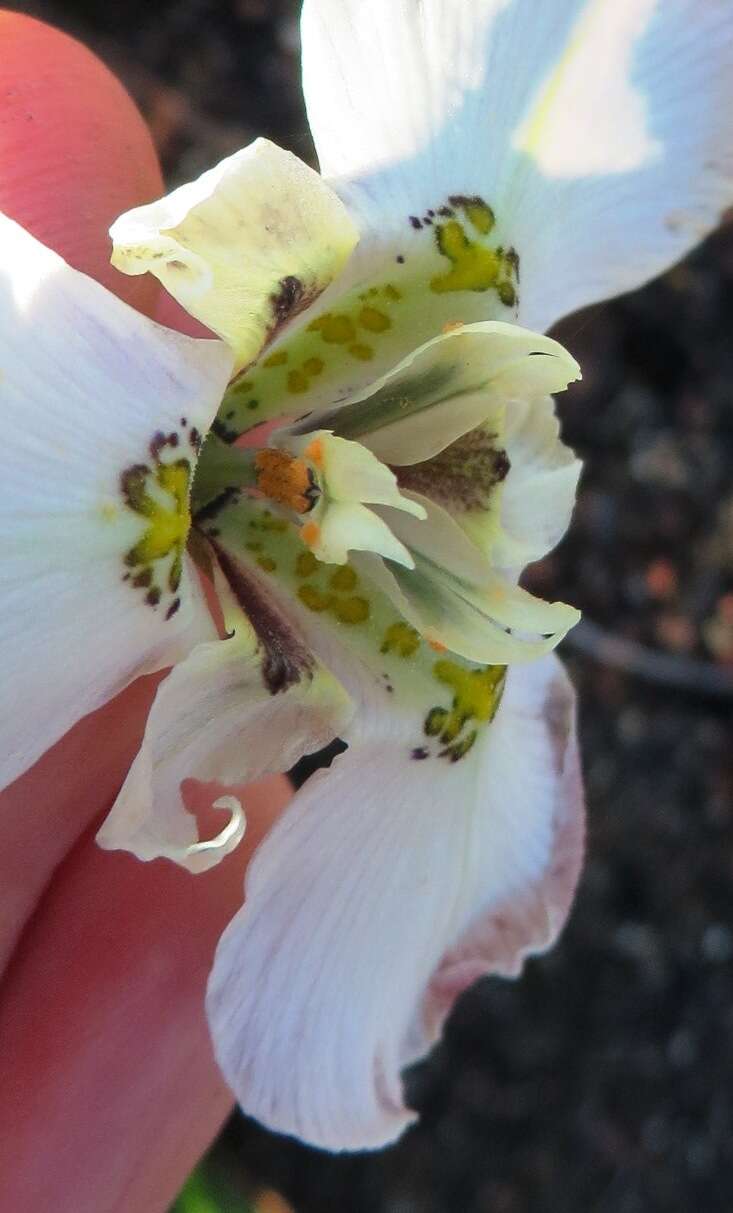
{"x": 200, "y": 1196}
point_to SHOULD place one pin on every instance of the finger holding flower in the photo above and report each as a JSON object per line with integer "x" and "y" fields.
{"x": 123, "y": 1095}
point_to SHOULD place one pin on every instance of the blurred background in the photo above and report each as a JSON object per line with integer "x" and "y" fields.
{"x": 601, "y": 1082}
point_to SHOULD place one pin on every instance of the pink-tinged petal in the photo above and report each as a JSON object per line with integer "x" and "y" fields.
{"x": 499, "y": 941}
{"x": 393, "y": 880}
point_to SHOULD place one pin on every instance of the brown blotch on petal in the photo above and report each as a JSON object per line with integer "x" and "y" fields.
{"x": 160, "y": 441}
{"x": 223, "y": 431}
{"x": 215, "y": 507}
{"x": 286, "y": 659}
{"x": 463, "y": 476}
{"x": 289, "y": 300}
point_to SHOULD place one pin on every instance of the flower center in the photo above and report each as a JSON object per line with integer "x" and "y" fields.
{"x": 286, "y": 480}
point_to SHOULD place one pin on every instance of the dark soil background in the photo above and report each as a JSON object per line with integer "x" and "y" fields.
{"x": 601, "y": 1081}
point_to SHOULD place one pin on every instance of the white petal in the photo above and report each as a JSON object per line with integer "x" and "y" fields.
{"x": 538, "y": 494}
{"x": 450, "y": 385}
{"x": 509, "y": 485}
{"x": 492, "y": 622}
{"x": 388, "y": 885}
{"x": 595, "y": 130}
{"x": 349, "y": 527}
{"x": 245, "y": 248}
{"x": 348, "y": 470}
{"x": 353, "y": 473}
{"x": 441, "y": 540}
{"x": 88, "y": 388}
{"x": 216, "y": 717}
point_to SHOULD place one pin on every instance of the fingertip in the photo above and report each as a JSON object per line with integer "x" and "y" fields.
{"x": 74, "y": 150}
{"x": 106, "y": 1049}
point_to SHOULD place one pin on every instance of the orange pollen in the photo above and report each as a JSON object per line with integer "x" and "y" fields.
{"x": 310, "y": 533}
{"x": 286, "y": 480}
{"x": 452, "y": 326}
{"x": 314, "y": 452}
{"x": 437, "y": 645}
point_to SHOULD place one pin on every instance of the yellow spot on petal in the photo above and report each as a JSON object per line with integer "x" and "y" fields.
{"x": 477, "y": 694}
{"x": 434, "y": 721}
{"x": 334, "y": 328}
{"x": 313, "y": 366}
{"x": 306, "y": 564}
{"x": 351, "y": 610}
{"x": 363, "y": 352}
{"x": 297, "y": 382}
{"x": 507, "y": 294}
{"x": 391, "y": 292}
{"x": 279, "y": 358}
{"x": 373, "y": 320}
{"x": 167, "y": 520}
{"x": 266, "y": 563}
{"x": 460, "y": 748}
{"x": 480, "y": 215}
{"x": 475, "y": 268}
{"x": 268, "y": 523}
{"x": 344, "y": 579}
{"x": 401, "y": 639}
{"x": 475, "y": 690}
{"x": 313, "y": 598}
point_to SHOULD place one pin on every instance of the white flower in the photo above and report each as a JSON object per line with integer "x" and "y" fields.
{"x": 490, "y": 164}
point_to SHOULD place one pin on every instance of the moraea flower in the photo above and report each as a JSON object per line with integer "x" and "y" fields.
{"x": 488, "y": 165}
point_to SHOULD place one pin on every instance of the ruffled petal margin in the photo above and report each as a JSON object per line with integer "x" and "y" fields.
{"x": 223, "y": 714}
{"x": 389, "y": 886}
{"x": 246, "y": 248}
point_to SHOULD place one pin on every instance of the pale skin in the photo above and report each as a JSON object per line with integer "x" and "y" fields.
{"x": 108, "y": 1088}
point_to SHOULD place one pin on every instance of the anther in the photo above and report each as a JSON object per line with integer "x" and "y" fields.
{"x": 286, "y": 480}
